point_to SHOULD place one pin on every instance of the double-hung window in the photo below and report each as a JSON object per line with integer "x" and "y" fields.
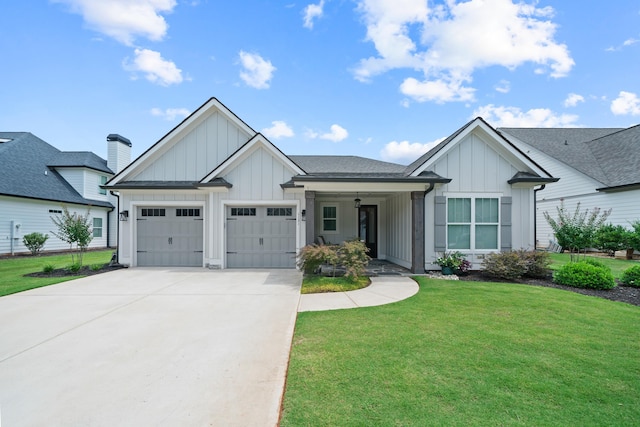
{"x": 473, "y": 223}
{"x": 329, "y": 219}
{"x": 97, "y": 227}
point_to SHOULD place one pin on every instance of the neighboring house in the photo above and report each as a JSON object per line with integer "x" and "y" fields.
{"x": 600, "y": 168}
{"x": 212, "y": 192}
{"x": 37, "y": 179}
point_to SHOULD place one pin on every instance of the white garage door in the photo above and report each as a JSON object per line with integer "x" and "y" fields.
{"x": 169, "y": 236}
{"x": 261, "y": 237}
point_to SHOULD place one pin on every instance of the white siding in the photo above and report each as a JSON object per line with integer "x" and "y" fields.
{"x": 475, "y": 165}
{"x": 92, "y": 185}
{"x": 74, "y": 176}
{"x": 196, "y": 151}
{"x": 34, "y": 216}
{"x": 625, "y": 207}
{"x": 398, "y": 233}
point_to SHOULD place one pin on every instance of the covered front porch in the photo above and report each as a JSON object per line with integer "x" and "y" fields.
{"x": 390, "y": 223}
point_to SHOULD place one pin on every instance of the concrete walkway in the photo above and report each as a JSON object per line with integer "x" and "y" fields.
{"x": 382, "y": 290}
{"x": 149, "y": 347}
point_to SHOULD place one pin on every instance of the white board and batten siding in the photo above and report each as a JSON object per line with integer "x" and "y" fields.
{"x": 196, "y": 151}
{"x": 399, "y": 229}
{"x": 35, "y": 216}
{"x": 478, "y": 165}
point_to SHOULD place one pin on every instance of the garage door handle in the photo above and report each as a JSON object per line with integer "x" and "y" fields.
{"x": 261, "y": 241}
{"x": 170, "y": 240}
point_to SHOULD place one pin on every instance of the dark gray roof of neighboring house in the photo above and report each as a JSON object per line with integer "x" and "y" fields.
{"x": 85, "y": 159}
{"x": 345, "y": 164}
{"x": 608, "y": 155}
{"x": 25, "y": 171}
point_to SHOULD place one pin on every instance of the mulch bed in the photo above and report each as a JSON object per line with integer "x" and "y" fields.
{"x": 84, "y": 271}
{"x": 620, "y": 293}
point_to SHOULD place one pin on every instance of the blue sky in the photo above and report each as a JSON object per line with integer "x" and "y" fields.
{"x": 379, "y": 78}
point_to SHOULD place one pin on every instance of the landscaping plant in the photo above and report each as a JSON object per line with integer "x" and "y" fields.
{"x": 73, "y": 229}
{"x": 631, "y": 276}
{"x": 611, "y": 238}
{"x": 576, "y": 232}
{"x": 352, "y": 254}
{"x": 35, "y": 242}
{"x": 585, "y": 274}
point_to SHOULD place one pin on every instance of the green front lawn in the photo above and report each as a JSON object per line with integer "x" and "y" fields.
{"x": 12, "y": 270}
{"x": 468, "y": 353}
{"x": 312, "y": 284}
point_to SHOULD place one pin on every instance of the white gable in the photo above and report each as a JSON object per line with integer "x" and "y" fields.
{"x": 476, "y": 150}
{"x": 256, "y": 171}
{"x": 195, "y": 147}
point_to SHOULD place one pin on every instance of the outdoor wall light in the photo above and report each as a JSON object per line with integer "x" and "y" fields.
{"x": 124, "y": 215}
{"x": 357, "y": 201}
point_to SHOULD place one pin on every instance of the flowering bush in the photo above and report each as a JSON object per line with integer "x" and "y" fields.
{"x": 454, "y": 260}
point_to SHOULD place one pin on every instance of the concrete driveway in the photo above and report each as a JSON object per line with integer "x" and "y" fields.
{"x": 142, "y": 347}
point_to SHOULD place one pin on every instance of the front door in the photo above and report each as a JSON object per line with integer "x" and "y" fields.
{"x": 368, "y": 228}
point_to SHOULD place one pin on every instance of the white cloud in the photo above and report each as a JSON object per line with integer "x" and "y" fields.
{"x": 124, "y": 20}
{"x": 336, "y": 134}
{"x": 170, "y": 114}
{"x": 436, "y": 90}
{"x": 627, "y": 42}
{"x": 156, "y": 69}
{"x": 405, "y": 152}
{"x": 499, "y": 116}
{"x": 504, "y": 86}
{"x": 279, "y": 129}
{"x": 311, "y": 12}
{"x": 257, "y": 71}
{"x": 573, "y": 99}
{"x": 448, "y": 42}
{"x": 627, "y": 103}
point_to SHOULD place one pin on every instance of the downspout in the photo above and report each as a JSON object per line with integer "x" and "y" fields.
{"x": 535, "y": 214}
{"x": 430, "y": 188}
{"x": 108, "y": 226}
{"x": 117, "y": 196}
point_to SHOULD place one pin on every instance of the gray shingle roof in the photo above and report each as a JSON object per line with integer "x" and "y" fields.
{"x": 344, "y": 164}
{"x": 85, "y": 159}
{"x": 25, "y": 171}
{"x": 608, "y": 155}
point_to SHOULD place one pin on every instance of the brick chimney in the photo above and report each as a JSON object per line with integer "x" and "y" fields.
{"x": 118, "y": 152}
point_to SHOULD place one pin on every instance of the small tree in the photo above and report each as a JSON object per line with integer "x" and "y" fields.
{"x": 353, "y": 255}
{"x": 575, "y": 232}
{"x": 35, "y": 242}
{"x": 611, "y": 238}
{"x": 73, "y": 229}
{"x": 634, "y": 239}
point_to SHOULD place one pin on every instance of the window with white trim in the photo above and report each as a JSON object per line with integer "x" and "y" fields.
{"x": 103, "y": 181}
{"x": 329, "y": 219}
{"x": 473, "y": 223}
{"x": 97, "y": 227}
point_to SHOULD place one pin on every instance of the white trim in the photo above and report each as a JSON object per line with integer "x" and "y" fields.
{"x": 472, "y": 224}
{"x": 331, "y": 205}
{"x": 133, "y": 219}
{"x": 224, "y": 204}
{"x": 490, "y": 132}
{"x": 249, "y": 147}
{"x": 194, "y": 117}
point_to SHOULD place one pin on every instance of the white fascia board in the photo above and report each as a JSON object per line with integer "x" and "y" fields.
{"x": 212, "y": 103}
{"x": 253, "y": 144}
{"x": 490, "y": 133}
{"x": 364, "y": 187}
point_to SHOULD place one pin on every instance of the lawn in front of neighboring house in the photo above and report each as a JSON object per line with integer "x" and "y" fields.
{"x": 468, "y": 353}
{"x": 617, "y": 265}
{"x": 13, "y": 269}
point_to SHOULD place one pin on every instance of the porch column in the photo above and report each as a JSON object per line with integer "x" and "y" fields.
{"x": 310, "y": 207}
{"x": 417, "y": 223}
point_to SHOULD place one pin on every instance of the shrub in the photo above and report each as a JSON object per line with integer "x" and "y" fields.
{"x": 631, "y": 276}
{"x": 75, "y": 267}
{"x": 585, "y": 274}
{"x": 352, "y": 254}
{"x": 48, "y": 268}
{"x": 611, "y": 238}
{"x": 96, "y": 267}
{"x": 505, "y": 265}
{"x": 34, "y": 242}
{"x": 311, "y": 257}
{"x": 537, "y": 263}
